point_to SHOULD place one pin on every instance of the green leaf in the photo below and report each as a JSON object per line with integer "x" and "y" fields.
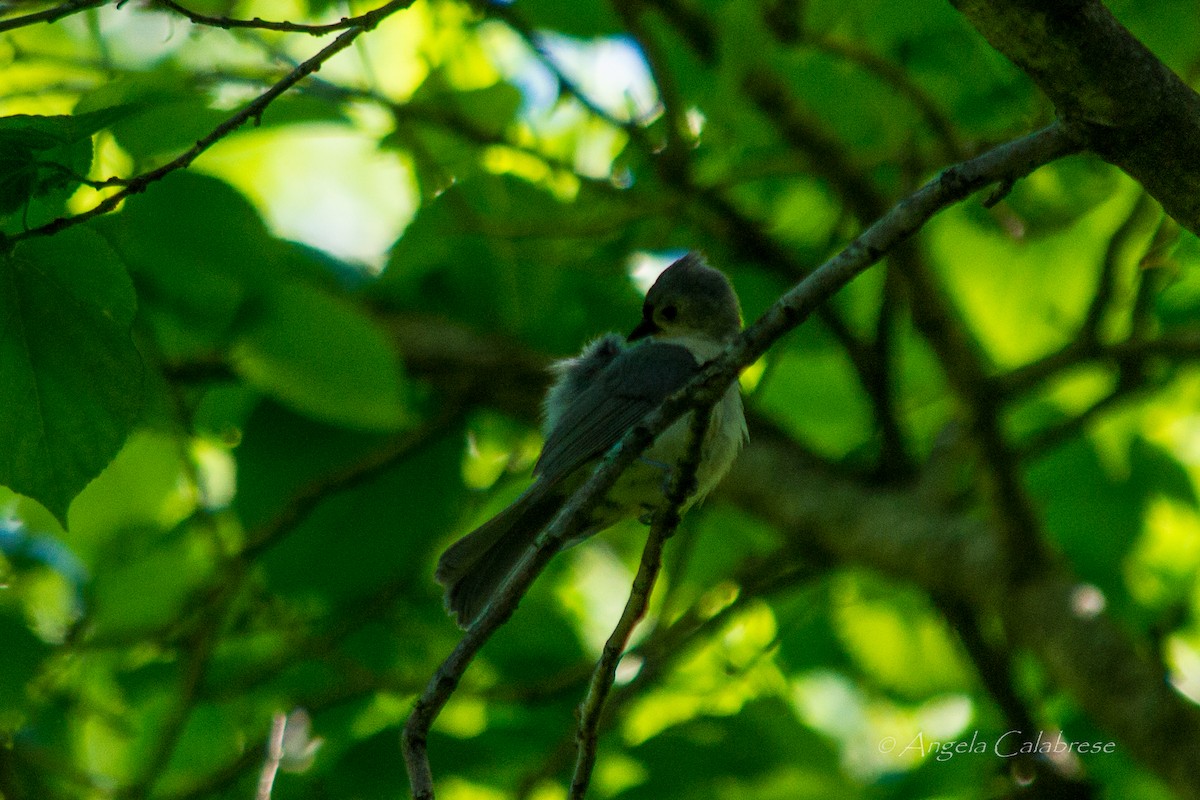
{"x": 1159, "y": 471}
{"x": 44, "y": 156}
{"x": 18, "y": 169}
{"x": 172, "y": 112}
{"x": 1093, "y": 516}
{"x": 447, "y": 114}
{"x": 543, "y": 259}
{"x": 68, "y": 128}
{"x": 193, "y": 282}
{"x": 370, "y": 770}
{"x": 70, "y": 375}
{"x": 140, "y": 592}
{"x": 582, "y": 20}
{"x": 696, "y": 757}
{"x": 386, "y": 527}
{"x": 1025, "y": 309}
{"x": 815, "y": 394}
{"x": 20, "y": 658}
{"x": 488, "y": 110}
{"x": 322, "y": 357}
{"x": 896, "y": 638}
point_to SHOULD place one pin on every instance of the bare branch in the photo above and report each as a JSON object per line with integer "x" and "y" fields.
{"x": 268, "y": 25}
{"x": 266, "y": 779}
{"x": 1179, "y": 348}
{"x": 507, "y": 14}
{"x": 251, "y": 111}
{"x": 199, "y": 653}
{"x": 50, "y": 14}
{"x": 994, "y": 667}
{"x": 1009, "y": 161}
{"x": 1133, "y": 224}
{"x": 902, "y": 82}
{"x": 683, "y": 484}
{"x": 1049, "y": 438}
{"x": 1126, "y": 104}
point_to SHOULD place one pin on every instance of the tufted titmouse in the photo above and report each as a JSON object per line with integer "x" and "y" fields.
{"x": 691, "y": 313}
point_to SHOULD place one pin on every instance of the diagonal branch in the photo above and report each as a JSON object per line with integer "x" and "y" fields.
{"x": 283, "y": 26}
{"x": 1004, "y": 163}
{"x": 683, "y": 485}
{"x": 251, "y": 111}
{"x": 49, "y": 14}
{"x": 1135, "y": 224}
{"x": 1129, "y": 108}
{"x": 513, "y": 19}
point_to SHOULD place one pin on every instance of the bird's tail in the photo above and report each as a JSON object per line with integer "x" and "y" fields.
{"x": 473, "y": 568}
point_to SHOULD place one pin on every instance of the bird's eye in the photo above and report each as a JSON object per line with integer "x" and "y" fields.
{"x": 669, "y": 313}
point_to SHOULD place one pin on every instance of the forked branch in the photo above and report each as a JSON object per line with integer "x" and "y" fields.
{"x": 1008, "y": 162}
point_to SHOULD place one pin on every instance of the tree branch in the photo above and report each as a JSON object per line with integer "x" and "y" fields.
{"x": 509, "y": 16}
{"x": 960, "y": 557}
{"x": 253, "y": 110}
{"x": 269, "y": 25}
{"x": 270, "y": 767}
{"x": 309, "y": 497}
{"x": 1127, "y": 106}
{"x": 683, "y": 485}
{"x": 50, "y": 14}
{"x": 1133, "y": 225}
{"x": 934, "y": 315}
{"x": 200, "y": 650}
{"x": 1007, "y": 162}
{"x": 901, "y": 81}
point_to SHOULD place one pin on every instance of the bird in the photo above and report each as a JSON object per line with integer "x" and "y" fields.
{"x": 691, "y": 314}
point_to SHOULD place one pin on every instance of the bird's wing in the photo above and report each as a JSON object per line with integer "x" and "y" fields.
{"x": 629, "y": 388}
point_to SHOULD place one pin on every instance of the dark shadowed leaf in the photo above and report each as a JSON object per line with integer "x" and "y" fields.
{"x": 70, "y": 375}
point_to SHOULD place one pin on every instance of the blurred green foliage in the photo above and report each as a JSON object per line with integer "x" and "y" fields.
{"x": 243, "y": 413}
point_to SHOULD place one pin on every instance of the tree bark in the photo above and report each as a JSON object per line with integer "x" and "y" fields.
{"x": 1126, "y": 105}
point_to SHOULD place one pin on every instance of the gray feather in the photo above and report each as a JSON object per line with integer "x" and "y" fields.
{"x": 632, "y": 385}
{"x": 473, "y": 568}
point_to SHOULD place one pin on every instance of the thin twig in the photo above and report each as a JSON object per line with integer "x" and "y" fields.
{"x": 1133, "y": 224}
{"x": 50, "y": 14}
{"x": 670, "y": 645}
{"x": 996, "y": 674}
{"x": 1152, "y": 277}
{"x": 894, "y": 461}
{"x": 674, "y": 156}
{"x": 683, "y": 484}
{"x": 1181, "y": 348}
{"x": 269, "y": 25}
{"x": 251, "y": 111}
{"x": 1046, "y": 440}
{"x": 509, "y": 16}
{"x": 266, "y": 778}
{"x": 829, "y": 160}
{"x": 1008, "y": 161}
{"x": 934, "y": 315}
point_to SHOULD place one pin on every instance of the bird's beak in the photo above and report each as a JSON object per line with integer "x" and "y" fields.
{"x": 645, "y": 328}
